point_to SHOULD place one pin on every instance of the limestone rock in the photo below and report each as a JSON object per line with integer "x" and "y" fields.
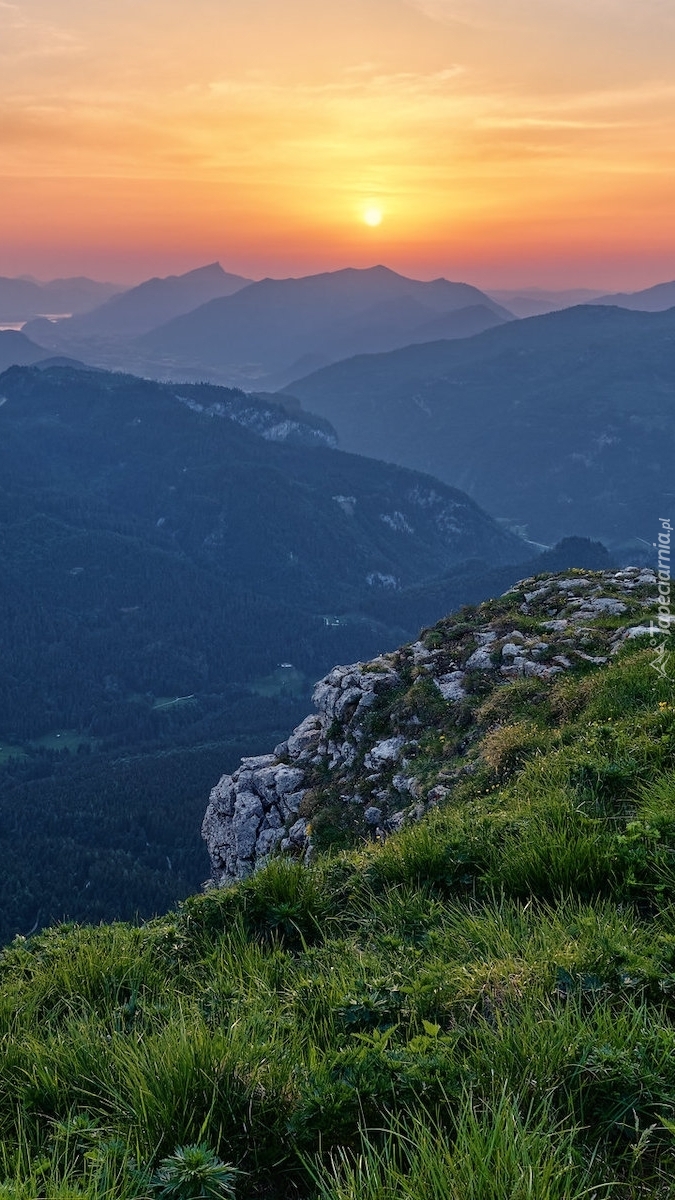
{"x": 480, "y": 660}
{"x": 249, "y": 811}
{"x": 420, "y": 654}
{"x": 297, "y": 833}
{"x": 304, "y": 740}
{"x": 451, "y": 686}
{"x": 510, "y": 650}
{"x": 268, "y": 841}
{"x": 386, "y": 751}
{"x": 635, "y": 631}
{"x": 248, "y": 816}
{"x": 484, "y": 638}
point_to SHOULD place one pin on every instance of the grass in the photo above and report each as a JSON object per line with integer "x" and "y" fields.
{"x": 492, "y": 1150}
{"x": 481, "y": 1008}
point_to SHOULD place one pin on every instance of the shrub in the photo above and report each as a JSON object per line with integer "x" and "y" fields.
{"x": 194, "y": 1173}
{"x": 434, "y": 852}
{"x": 508, "y": 746}
{"x": 286, "y": 902}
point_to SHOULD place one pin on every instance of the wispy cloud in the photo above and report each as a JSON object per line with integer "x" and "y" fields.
{"x": 496, "y": 14}
{"x": 23, "y": 38}
{"x": 364, "y": 78}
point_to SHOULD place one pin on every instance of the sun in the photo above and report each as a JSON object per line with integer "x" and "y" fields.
{"x": 373, "y": 215}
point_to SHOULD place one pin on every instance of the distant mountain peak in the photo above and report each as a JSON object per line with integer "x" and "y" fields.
{"x": 209, "y": 269}
{"x": 658, "y": 298}
{"x": 148, "y": 305}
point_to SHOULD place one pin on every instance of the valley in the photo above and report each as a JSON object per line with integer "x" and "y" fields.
{"x": 164, "y": 551}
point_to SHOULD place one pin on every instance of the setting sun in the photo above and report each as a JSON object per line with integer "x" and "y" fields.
{"x": 373, "y": 216}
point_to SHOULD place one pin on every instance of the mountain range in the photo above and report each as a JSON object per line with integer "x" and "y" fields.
{"x": 209, "y": 324}
{"x": 532, "y": 302}
{"x": 142, "y": 308}
{"x": 275, "y": 326}
{"x": 231, "y": 331}
{"x": 24, "y": 298}
{"x": 557, "y": 424}
{"x": 542, "y": 420}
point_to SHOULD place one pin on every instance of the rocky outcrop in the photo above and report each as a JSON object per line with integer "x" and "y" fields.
{"x": 358, "y": 753}
{"x": 255, "y": 811}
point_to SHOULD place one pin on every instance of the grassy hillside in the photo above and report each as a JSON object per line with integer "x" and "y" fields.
{"x": 481, "y": 1007}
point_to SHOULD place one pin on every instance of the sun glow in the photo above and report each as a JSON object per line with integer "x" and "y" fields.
{"x": 508, "y": 144}
{"x": 373, "y": 215}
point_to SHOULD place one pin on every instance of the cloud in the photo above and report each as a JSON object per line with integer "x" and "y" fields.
{"x": 24, "y": 38}
{"x": 364, "y": 78}
{"x": 501, "y": 14}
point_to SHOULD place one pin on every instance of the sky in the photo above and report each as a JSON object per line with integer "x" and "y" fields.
{"x": 505, "y": 142}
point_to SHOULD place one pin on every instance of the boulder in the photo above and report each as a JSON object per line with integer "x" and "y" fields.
{"x": 384, "y": 752}
{"x": 451, "y": 686}
{"x": 480, "y": 660}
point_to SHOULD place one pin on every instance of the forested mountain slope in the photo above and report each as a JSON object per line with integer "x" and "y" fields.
{"x": 562, "y": 424}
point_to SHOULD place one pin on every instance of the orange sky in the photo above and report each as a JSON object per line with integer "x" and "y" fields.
{"x": 505, "y": 141}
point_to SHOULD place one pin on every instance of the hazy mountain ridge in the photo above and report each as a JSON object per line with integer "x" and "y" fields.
{"x": 652, "y": 299}
{"x": 22, "y": 299}
{"x": 18, "y": 350}
{"x": 534, "y": 302}
{"x": 210, "y": 325}
{"x": 561, "y": 423}
{"x": 142, "y": 308}
{"x": 268, "y": 326}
